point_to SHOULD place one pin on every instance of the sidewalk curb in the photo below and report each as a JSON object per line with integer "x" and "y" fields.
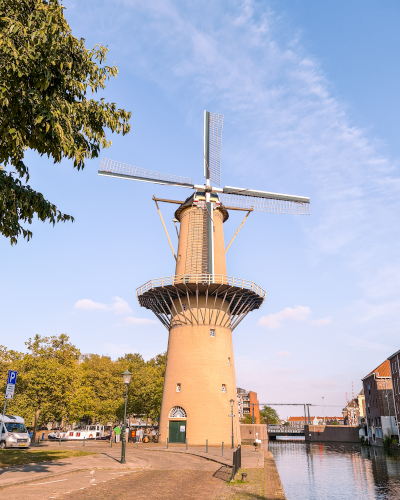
{"x": 212, "y": 459}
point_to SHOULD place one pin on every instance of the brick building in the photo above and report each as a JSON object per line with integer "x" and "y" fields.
{"x": 379, "y": 404}
{"x": 394, "y": 361}
{"x": 351, "y": 412}
{"x": 247, "y": 400}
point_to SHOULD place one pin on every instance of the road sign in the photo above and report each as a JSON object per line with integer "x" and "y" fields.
{"x": 12, "y": 378}
{"x": 10, "y": 391}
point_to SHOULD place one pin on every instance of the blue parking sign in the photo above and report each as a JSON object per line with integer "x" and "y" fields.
{"x": 12, "y": 377}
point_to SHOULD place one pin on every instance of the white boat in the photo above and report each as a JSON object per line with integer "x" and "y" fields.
{"x": 80, "y": 433}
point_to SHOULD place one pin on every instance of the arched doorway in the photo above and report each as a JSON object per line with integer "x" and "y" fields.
{"x": 177, "y": 425}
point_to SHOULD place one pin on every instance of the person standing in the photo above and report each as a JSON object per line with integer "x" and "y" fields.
{"x": 117, "y": 431}
{"x": 140, "y": 435}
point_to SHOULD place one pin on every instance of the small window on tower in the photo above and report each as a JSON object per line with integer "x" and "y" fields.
{"x": 212, "y": 333}
{"x": 184, "y": 307}
{"x": 229, "y": 361}
{"x": 178, "y": 387}
{"x": 223, "y": 388}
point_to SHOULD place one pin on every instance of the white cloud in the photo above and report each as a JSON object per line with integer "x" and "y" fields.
{"x": 120, "y": 306}
{"x": 89, "y": 305}
{"x": 322, "y": 321}
{"x": 282, "y": 354}
{"x": 140, "y": 321}
{"x": 273, "y": 321}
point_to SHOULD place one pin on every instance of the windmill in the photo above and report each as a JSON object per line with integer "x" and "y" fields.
{"x": 200, "y": 305}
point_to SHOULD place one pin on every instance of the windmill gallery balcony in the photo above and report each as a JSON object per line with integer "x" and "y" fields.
{"x": 192, "y": 299}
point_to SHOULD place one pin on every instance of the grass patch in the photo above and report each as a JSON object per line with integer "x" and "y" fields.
{"x": 23, "y": 457}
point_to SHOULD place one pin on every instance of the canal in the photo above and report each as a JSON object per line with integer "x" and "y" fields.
{"x": 336, "y": 471}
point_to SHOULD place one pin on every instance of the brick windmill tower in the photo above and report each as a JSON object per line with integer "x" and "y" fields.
{"x": 200, "y": 305}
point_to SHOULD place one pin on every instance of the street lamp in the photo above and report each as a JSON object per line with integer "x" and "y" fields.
{"x": 232, "y": 415}
{"x": 127, "y": 375}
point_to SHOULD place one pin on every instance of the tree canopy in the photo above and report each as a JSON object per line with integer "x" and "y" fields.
{"x": 53, "y": 386}
{"x": 269, "y": 416}
{"x": 45, "y": 76}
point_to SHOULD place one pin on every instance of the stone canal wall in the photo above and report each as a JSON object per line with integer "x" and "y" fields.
{"x": 248, "y": 432}
{"x": 332, "y": 433}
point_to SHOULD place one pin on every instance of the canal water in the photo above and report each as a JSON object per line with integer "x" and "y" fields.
{"x": 336, "y": 471}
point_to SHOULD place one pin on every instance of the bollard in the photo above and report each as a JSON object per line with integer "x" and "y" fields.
{"x": 186, "y": 442}
{"x": 59, "y": 443}
{"x": 206, "y": 445}
{"x": 222, "y": 448}
{"x": 84, "y": 441}
{"x": 167, "y": 443}
{"x": 244, "y": 477}
{"x": 111, "y": 440}
{"x": 43, "y": 436}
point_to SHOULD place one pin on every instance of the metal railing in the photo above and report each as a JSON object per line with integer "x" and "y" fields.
{"x": 236, "y": 461}
{"x": 201, "y": 279}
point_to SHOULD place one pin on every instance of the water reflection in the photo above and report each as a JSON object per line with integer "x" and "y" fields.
{"x": 336, "y": 471}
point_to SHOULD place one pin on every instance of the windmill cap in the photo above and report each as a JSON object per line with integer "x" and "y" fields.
{"x": 200, "y": 195}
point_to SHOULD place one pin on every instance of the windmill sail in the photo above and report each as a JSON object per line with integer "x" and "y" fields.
{"x": 263, "y": 201}
{"x": 116, "y": 169}
{"x": 213, "y": 124}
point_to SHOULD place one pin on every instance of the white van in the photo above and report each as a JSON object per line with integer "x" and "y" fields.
{"x": 13, "y": 432}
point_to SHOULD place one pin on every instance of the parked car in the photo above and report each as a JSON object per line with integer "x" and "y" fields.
{"x": 13, "y": 433}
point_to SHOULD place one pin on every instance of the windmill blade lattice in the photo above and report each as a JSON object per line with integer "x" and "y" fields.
{"x": 215, "y": 143}
{"x": 277, "y": 206}
{"x": 116, "y": 169}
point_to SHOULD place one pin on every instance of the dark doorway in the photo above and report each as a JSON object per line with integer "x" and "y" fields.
{"x": 177, "y": 431}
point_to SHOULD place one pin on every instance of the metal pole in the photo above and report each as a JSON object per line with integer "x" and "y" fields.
{"x": 252, "y": 418}
{"x": 305, "y": 415}
{"x": 232, "y": 432}
{"x": 323, "y": 408}
{"x": 167, "y": 443}
{"x": 2, "y": 422}
{"x": 186, "y": 443}
{"x": 123, "y": 427}
{"x": 308, "y": 411}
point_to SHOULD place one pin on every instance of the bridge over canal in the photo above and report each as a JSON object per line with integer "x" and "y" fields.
{"x": 283, "y": 430}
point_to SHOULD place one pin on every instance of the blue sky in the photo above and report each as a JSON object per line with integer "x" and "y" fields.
{"x": 309, "y": 91}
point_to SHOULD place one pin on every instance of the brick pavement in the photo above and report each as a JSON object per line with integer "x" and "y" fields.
{"x": 148, "y": 473}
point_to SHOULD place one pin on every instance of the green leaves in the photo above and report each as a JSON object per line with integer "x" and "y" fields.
{"x": 51, "y": 381}
{"x": 44, "y": 76}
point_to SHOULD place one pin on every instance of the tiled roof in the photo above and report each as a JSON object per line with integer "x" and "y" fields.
{"x": 383, "y": 370}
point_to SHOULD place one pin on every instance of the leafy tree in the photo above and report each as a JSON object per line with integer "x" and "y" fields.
{"x": 246, "y": 419}
{"x": 106, "y": 388}
{"x": 52, "y": 385}
{"x": 47, "y": 382}
{"x": 269, "y": 416}
{"x": 45, "y": 74}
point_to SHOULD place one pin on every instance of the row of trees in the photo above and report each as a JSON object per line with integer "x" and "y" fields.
{"x": 53, "y": 385}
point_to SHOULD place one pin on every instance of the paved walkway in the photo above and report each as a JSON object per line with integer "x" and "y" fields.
{"x": 147, "y": 473}
{"x": 151, "y": 471}
{"x": 250, "y": 458}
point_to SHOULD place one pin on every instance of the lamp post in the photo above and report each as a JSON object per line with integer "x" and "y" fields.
{"x": 232, "y": 416}
{"x": 127, "y": 375}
